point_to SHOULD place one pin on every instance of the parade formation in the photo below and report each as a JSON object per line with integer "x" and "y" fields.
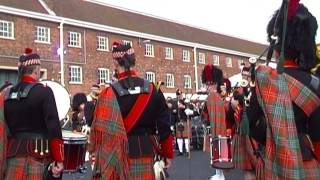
{"x": 266, "y": 124}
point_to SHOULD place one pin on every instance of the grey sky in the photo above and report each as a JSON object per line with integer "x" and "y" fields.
{"x": 246, "y": 19}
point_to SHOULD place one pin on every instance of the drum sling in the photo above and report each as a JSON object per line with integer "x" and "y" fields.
{"x": 140, "y": 145}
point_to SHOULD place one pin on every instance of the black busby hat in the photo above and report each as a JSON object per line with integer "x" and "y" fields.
{"x": 211, "y": 75}
{"x": 178, "y": 92}
{"x": 78, "y": 99}
{"x": 28, "y": 59}
{"x": 299, "y": 36}
{"x": 124, "y": 54}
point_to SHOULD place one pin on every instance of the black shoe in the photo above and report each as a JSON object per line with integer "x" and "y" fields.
{"x": 179, "y": 154}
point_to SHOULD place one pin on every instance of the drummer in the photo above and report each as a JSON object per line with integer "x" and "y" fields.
{"x": 29, "y": 111}
{"x": 215, "y": 106}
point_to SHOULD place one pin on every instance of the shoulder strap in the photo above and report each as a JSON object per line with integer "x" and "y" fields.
{"x": 119, "y": 89}
{"x": 17, "y": 94}
{"x": 137, "y": 109}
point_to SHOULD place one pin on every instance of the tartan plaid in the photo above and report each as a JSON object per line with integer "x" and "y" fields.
{"x": 24, "y": 168}
{"x": 141, "y": 168}
{"x": 3, "y": 135}
{"x": 108, "y": 139}
{"x": 242, "y": 153}
{"x": 307, "y": 100}
{"x": 283, "y": 153}
{"x": 217, "y": 114}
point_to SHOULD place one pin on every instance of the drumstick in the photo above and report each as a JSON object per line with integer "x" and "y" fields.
{"x": 204, "y": 139}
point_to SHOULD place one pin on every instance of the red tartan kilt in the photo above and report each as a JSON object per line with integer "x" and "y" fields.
{"x": 311, "y": 169}
{"x": 242, "y": 154}
{"x": 24, "y": 168}
{"x": 141, "y": 168}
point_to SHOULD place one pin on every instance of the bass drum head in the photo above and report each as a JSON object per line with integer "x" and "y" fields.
{"x": 61, "y": 96}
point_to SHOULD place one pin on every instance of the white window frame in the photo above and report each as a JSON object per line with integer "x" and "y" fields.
{"x": 74, "y": 39}
{"x": 150, "y": 76}
{"x": 202, "y": 58}
{"x": 102, "y": 43}
{"x": 7, "y": 30}
{"x": 168, "y": 53}
{"x": 103, "y": 75}
{"x": 229, "y": 62}
{"x": 149, "y": 50}
{"x": 169, "y": 80}
{"x": 186, "y": 55}
{"x": 187, "y": 82}
{"x": 216, "y": 60}
{"x": 42, "y": 35}
{"x": 127, "y": 42}
{"x": 75, "y": 77}
{"x": 240, "y": 61}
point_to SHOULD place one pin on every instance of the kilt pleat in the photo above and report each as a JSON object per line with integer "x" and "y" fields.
{"x": 24, "y": 168}
{"x": 141, "y": 168}
{"x": 242, "y": 154}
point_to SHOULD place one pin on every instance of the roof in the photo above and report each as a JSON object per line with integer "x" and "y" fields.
{"x": 29, "y": 5}
{"x": 129, "y": 20}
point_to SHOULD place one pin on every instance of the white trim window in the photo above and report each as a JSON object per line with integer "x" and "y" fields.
{"x": 215, "y": 60}
{"x": 6, "y": 29}
{"x": 169, "y": 80}
{"x": 185, "y": 55}
{"x": 150, "y": 76}
{"x": 228, "y": 62}
{"x": 42, "y": 34}
{"x": 149, "y": 50}
{"x": 74, "y": 39}
{"x": 102, "y": 43}
{"x": 127, "y": 42}
{"x": 240, "y": 62}
{"x": 103, "y": 75}
{"x": 75, "y": 75}
{"x": 169, "y": 53}
{"x": 202, "y": 58}
{"x": 187, "y": 81}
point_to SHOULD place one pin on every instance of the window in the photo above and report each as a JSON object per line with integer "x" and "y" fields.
{"x": 127, "y": 42}
{"x": 149, "y": 51}
{"x": 103, "y": 75}
{"x": 215, "y": 59}
{"x": 43, "y": 34}
{"x": 150, "y": 76}
{"x": 102, "y": 43}
{"x": 187, "y": 81}
{"x": 74, "y": 39}
{"x": 170, "y": 81}
{"x": 169, "y": 53}
{"x": 202, "y": 86}
{"x": 202, "y": 58}
{"x": 240, "y": 62}
{"x": 75, "y": 75}
{"x": 6, "y": 29}
{"x": 186, "y": 55}
{"x": 228, "y": 62}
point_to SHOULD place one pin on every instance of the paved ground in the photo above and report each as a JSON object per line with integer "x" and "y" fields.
{"x": 196, "y": 168}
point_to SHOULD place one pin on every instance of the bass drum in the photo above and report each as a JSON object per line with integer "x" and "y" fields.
{"x": 61, "y": 96}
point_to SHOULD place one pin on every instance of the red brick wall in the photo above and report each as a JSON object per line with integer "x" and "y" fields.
{"x": 90, "y": 59}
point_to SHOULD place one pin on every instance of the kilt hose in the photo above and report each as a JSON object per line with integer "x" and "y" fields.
{"x": 24, "y": 168}
{"x": 242, "y": 153}
{"x": 141, "y": 168}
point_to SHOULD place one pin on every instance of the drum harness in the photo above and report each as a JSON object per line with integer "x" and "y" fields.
{"x": 34, "y": 144}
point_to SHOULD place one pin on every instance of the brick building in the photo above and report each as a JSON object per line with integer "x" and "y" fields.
{"x": 77, "y": 41}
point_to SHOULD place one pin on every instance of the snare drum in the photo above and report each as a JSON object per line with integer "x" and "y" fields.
{"x": 74, "y": 150}
{"x": 221, "y": 157}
